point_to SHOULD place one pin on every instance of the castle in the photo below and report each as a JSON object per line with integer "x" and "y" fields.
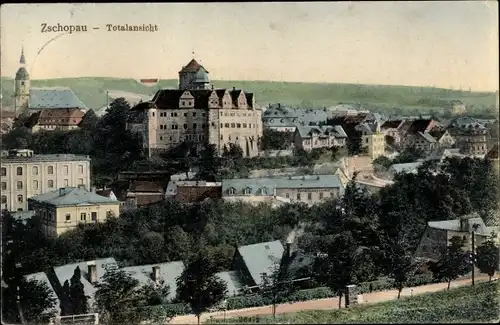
{"x": 196, "y": 112}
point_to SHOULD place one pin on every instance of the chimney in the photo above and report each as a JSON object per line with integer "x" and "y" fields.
{"x": 156, "y": 274}
{"x": 92, "y": 271}
{"x": 62, "y": 191}
{"x": 289, "y": 249}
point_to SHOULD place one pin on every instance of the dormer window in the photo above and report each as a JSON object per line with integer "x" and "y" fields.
{"x": 232, "y": 191}
{"x": 248, "y": 191}
{"x": 264, "y": 191}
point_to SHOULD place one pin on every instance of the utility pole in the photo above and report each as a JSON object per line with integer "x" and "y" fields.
{"x": 473, "y": 243}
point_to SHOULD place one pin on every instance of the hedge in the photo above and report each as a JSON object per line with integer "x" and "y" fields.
{"x": 257, "y": 300}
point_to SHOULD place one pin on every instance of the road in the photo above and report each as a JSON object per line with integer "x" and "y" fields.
{"x": 325, "y": 304}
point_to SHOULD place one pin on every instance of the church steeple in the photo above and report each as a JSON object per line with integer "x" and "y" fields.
{"x": 22, "y": 60}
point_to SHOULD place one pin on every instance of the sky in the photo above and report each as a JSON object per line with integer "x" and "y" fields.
{"x": 442, "y": 44}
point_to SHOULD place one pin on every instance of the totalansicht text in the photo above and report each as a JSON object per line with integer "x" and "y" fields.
{"x": 57, "y": 28}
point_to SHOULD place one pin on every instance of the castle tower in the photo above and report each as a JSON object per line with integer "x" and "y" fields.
{"x": 193, "y": 76}
{"x": 21, "y": 87}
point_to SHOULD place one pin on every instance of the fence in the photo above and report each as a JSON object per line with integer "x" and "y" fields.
{"x": 82, "y": 319}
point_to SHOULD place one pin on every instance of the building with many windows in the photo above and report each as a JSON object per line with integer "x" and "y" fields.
{"x": 25, "y": 174}
{"x": 66, "y": 207}
{"x": 195, "y": 113}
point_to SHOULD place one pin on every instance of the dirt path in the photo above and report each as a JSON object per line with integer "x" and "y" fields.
{"x": 324, "y": 304}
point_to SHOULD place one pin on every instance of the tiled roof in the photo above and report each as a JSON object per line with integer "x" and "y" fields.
{"x": 454, "y": 225}
{"x": 257, "y": 185}
{"x": 260, "y": 258}
{"x": 41, "y": 98}
{"x": 65, "y": 272}
{"x": 168, "y": 273}
{"x": 393, "y": 124}
{"x": 61, "y": 116}
{"x": 324, "y": 130}
{"x": 42, "y": 277}
{"x": 405, "y": 168}
{"x": 47, "y": 158}
{"x": 427, "y": 137}
{"x": 419, "y": 126}
{"x": 148, "y": 186}
{"x": 437, "y": 133}
{"x": 72, "y": 196}
{"x": 192, "y": 66}
{"x": 233, "y": 282}
{"x": 191, "y": 194}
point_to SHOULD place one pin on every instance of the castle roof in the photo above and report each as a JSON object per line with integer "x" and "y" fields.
{"x": 192, "y": 66}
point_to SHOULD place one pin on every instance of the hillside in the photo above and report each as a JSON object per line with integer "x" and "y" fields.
{"x": 461, "y": 305}
{"x": 92, "y": 92}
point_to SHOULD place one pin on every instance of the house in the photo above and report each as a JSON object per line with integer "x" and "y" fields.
{"x": 437, "y": 235}
{"x": 443, "y": 138}
{"x": 251, "y": 261}
{"x": 391, "y": 131}
{"x": 312, "y": 137}
{"x": 193, "y": 191}
{"x": 441, "y": 154}
{"x": 25, "y": 174}
{"x": 166, "y": 272}
{"x": 41, "y": 277}
{"x": 63, "y": 119}
{"x": 67, "y": 207}
{"x": 416, "y": 134}
{"x": 404, "y": 168}
{"x": 471, "y": 137}
{"x": 92, "y": 272}
{"x": 309, "y": 189}
{"x": 141, "y": 193}
{"x": 372, "y": 139}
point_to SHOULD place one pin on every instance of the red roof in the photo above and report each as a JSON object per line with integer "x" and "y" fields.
{"x": 61, "y": 116}
{"x": 192, "y": 66}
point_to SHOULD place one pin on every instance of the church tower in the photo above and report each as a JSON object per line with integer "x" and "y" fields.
{"x": 22, "y": 87}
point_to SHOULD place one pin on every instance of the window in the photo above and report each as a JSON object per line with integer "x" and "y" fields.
{"x": 183, "y": 103}
{"x": 238, "y": 125}
{"x": 298, "y": 196}
{"x": 4, "y": 186}
{"x": 80, "y": 181}
{"x": 50, "y": 183}
{"x": 321, "y": 195}
{"x": 68, "y": 216}
{"x": 248, "y": 191}
{"x": 94, "y": 216}
{"x": 309, "y": 196}
{"x": 161, "y": 138}
{"x": 50, "y": 170}
{"x": 83, "y": 216}
{"x": 19, "y": 171}
{"x": 231, "y": 191}
{"x": 4, "y": 199}
{"x": 65, "y": 170}
{"x": 226, "y": 125}
{"x": 19, "y": 185}
{"x": 66, "y": 183}
{"x": 194, "y": 126}
{"x": 221, "y": 137}
{"x": 34, "y": 170}
{"x": 185, "y": 126}
{"x": 233, "y": 125}
{"x": 35, "y": 185}
{"x": 287, "y": 195}
{"x": 194, "y": 114}
{"x": 20, "y": 198}
{"x": 109, "y": 214}
{"x": 185, "y": 114}
{"x": 244, "y": 125}
{"x": 4, "y": 171}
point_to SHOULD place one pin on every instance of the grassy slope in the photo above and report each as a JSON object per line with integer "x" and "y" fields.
{"x": 90, "y": 91}
{"x": 464, "y": 304}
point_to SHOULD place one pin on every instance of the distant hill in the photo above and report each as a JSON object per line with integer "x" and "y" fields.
{"x": 92, "y": 92}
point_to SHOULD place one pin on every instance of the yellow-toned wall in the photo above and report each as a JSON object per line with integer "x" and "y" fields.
{"x": 375, "y": 144}
{"x": 60, "y": 225}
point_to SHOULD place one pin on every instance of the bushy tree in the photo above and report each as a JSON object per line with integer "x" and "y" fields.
{"x": 275, "y": 140}
{"x": 198, "y": 285}
{"x": 454, "y": 263}
{"x": 209, "y": 164}
{"x": 120, "y": 299}
{"x": 487, "y": 257}
{"x": 355, "y": 144}
{"x": 77, "y": 293}
{"x": 277, "y": 284}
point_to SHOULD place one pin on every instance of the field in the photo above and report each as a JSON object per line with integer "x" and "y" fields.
{"x": 408, "y": 99}
{"x": 460, "y": 305}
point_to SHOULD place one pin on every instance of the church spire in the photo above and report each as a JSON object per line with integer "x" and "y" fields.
{"x": 22, "y": 60}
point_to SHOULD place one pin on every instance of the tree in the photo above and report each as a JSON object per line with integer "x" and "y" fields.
{"x": 278, "y": 284}
{"x": 37, "y": 302}
{"x": 402, "y": 264}
{"x": 355, "y": 144}
{"x": 335, "y": 268}
{"x": 121, "y": 300}
{"x": 275, "y": 140}
{"x": 487, "y": 257}
{"x": 89, "y": 121}
{"x": 454, "y": 263}
{"x": 77, "y": 296}
{"x": 408, "y": 155}
{"x": 198, "y": 285}
{"x": 209, "y": 164}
